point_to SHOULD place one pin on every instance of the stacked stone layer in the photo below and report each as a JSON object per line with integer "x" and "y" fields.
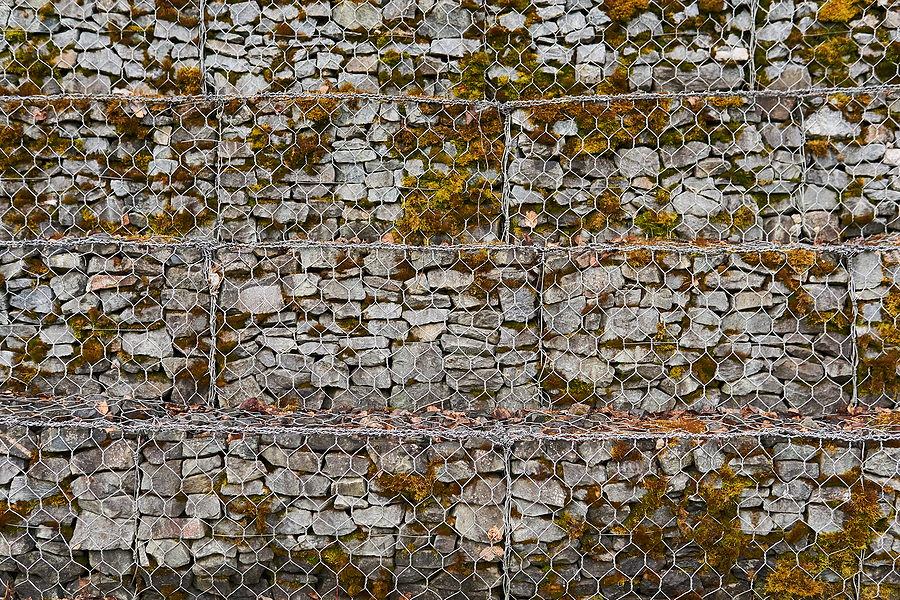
{"x": 106, "y": 512}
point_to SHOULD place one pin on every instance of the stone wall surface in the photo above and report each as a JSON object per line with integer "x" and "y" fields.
{"x": 749, "y": 168}
{"x": 640, "y": 331}
{"x": 286, "y": 515}
{"x": 473, "y": 50}
{"x": 636, "y": 258}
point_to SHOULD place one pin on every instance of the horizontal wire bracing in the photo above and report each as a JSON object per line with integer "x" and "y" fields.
{"x": 133, "y": 415}
{"x": 500, "y": 105}
{"x": 848, "y": 248}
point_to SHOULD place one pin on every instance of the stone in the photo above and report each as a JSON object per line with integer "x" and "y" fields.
{"x": 260, "y": 300}
{"x": 389, "y": 516}
{"x": 156, "y": 343}
{"x": 172, "y": 554}
{"x": 548, "y": 491}
{"x": 831, "y": 123}
{"x": 474, "y": 522}
{"x": 635, "y": 162}
{"x": 38, "y": 299}
{"x": 332, "y": 523}
{"x": 679, "y": 157}
{"x": 536, "y": 173}
{"x": 418, "y": 361}
{"x": 97, "y": 532}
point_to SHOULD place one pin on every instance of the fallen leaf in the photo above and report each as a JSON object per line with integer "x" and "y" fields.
{"x": 39, "y": 115}
{"x": 126, "y": 220}
{"x": 103, "y": 407}
{"x": 494, "y": 533}
{"x": 489, "y": 553}
{"x": 530, "y": 219}
{"x": 388, "y": 238}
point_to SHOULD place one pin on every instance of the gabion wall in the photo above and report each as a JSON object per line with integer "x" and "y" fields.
{"x": 290, "y": 515}
{"x": 439, "y": 299}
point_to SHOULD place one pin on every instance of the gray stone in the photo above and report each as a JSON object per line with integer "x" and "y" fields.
{"x": 474, "y": 522}
{"x": 635, "y": 162}
{"x": 831, "y": 123}
{"x": 156, "y": 343}
{"x": 389, "y": 516}
{"x": 97, "y": 532}
{"x": 332, "y": 523}
{"x": 417, "y": 361}
{"x": 536, "y": 173}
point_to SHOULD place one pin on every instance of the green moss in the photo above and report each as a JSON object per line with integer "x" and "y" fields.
{"x": 704, "y": 369}
{"x": 839, "y": 11}
{"x": 624, "y": 10}
{"x": 656, "y": 224}
{"x": 877, "y": 374}
{"x": 36, "y": 350}
{"x": 190, "y": 81}
{"x": 257, "y": 508}
{"x": 412, "y": 486}
{"x": 177, "y": 224}
{"x": 740, "y": 220}
{"x": 349, "y": 578}
{"x": 472, "y": 81}
{"x": 790, "y": 580}
{"x": 842, "y": 549}
{"x": 439, "y": 204}
{"x": 718, "y": 531}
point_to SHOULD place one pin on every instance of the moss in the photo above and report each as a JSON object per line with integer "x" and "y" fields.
{"x": 349, "y": 578}
{"x": 718, "y": 531}
{"x": 656, "y": 224}
{"x": 257, "y": 508}
{"x": 609, "y": 211}
{"x": 819, "y": 148}
{"x": 839, "y": 11}
{"x": 624, "y": 10}
{"x": 190, "y": 81}
{"x": 842, "y": 549}
{"x": 576, "y": 528}
{"x": 740, "y": 220}
{"x": 36, "y": 350}
{"x": 878, "y": 374}
{"x": 656, "y": 489}
{"x": 127, "y": 124}
{"x": 440, "y": 204}
{"x": 472, "y": 82}
{"x": 790, "y": 580}
{"x": 722, "y": 102}
{"x": 177, "y": 224}
{"x": 412, "y": 486}
{"x": 834, "y": 53}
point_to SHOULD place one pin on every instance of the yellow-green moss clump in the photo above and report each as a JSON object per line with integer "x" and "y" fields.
{"x": 839, "y": 11}
{"x": 795, "y": 576}
{"x": 444, "y": 204}
{"x": 718, "y": 532}
{"x": 740, "y": 220}
{"x": 190, "y": 81}
{"x": 175, "y": 224}
{"x": 412, "y": 486}
{"x": 624, "y": 10}
{"x": 656, "y": 224}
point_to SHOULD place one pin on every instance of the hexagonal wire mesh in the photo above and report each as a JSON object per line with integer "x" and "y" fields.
{"x": 494, "y": 247}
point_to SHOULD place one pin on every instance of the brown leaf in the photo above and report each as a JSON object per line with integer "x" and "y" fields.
{"x": 494, "y": 533}
{"x": 103, "y": 407}
{"x": 489, "y": 553}
{"x": 388, "y": 238}
{"x": 39, "y": 115}
{"x": 530, "y": 220}
{"x": 501, "y": 413}
{"x": 126, "y": 220}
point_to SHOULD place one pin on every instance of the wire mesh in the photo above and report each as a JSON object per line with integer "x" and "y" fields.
{"x": 448, "y": 299}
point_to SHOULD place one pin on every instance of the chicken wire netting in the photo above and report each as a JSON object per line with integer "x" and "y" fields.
{"x": 116, "y": 499}
{"x": 394, "y": 299}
